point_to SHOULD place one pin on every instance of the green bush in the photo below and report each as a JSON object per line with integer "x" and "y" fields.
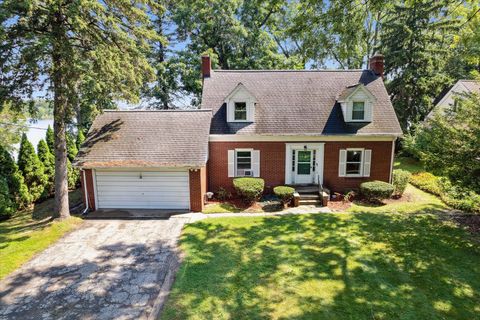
{"x": 284, "y": 193}
{"x": 249, "y": 189}
{"x": 427, "y": 182}
{"x": 400, "y": 180}
{"x": 7, "y": 206}
{"x": 458, "y": 197}
{"x": 32, "y": 169}
{"x": 376, "y": 190}
{"x": 222, "y": 194}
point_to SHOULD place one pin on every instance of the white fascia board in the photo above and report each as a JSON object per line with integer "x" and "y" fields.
{"x": 300, "y": 138}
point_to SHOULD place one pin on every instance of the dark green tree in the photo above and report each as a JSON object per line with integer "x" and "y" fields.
{"x": 73, "y": 46}
{"x": 32, "y": 169}
{"x": 415, "y": 42}
{"x": 12, "y": 125}
{"x": 71, "y": 146}
{"x": 46, "y": 157}
{"x": 80, "y": 138}
{"x": 7, "y": 206}
{"x": 17, "y": 190}
{"x": 50, "y": 139}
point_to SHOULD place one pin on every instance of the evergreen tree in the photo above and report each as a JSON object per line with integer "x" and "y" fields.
{"x": 46, "y": 157}
{"x": 99, "y": 46}
{"x": 415, "y": 42}
{"x": 7, "y": 206}
{"x": 18, "y": 191}
{"x": 50, "y": 139}
{"x": 11, "y": 134}
{"x": 80, "y": 138}
{"x": 32, "y": 169}
{"x": 71, "y": 146}
{"x": 73, "y": 176}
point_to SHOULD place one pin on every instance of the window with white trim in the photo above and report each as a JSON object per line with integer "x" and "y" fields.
{"x": 240, "y": 111}
{"x": 358, "y": 110}
{"x": 354, "y": 163}
{"x": 243, "y": 163}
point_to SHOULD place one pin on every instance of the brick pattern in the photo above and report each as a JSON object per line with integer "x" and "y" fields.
{"x": 198, "y": 188}
{"x": 272, "y": 163}
{"x": 90, "y": 191}
{"x": 380, "y": 165}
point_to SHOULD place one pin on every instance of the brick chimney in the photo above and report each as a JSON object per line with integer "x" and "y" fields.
{"x": 206, "y": 66}
{"x": 376, "y": 64}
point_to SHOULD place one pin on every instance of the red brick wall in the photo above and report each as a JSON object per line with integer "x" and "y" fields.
{"x": 272, "y": 163}
{"x": 198, "y": 188}
{"x": 90, "y": 191}
{"x": 380, "y": 165}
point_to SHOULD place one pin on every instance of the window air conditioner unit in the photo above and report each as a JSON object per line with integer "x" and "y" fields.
{"x": 245, "y": 173}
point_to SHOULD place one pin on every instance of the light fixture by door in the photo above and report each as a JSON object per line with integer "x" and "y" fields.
{"x": 141, "y": 177}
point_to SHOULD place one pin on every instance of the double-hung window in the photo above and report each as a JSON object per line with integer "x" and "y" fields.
{"x": 240, "y": 112}
{"x": 358, "y": 110}
{"x": 353, "y": 165}
{"x": 243, "y": 163}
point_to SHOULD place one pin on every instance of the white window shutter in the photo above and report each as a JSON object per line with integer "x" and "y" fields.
{"x": 250, "y": 111}
{"x": 367, "y": 160}
{"x": 342, "y": 163}
{"x": 230, "y": 111}
{"x": 231, "y": 163}
{"x": 256, "y": 163}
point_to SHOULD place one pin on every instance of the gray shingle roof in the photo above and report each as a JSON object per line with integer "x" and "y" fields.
{"x": 297, "y": 102}
{"x": 147, "y": 139}
{"x": 472, "y": 85}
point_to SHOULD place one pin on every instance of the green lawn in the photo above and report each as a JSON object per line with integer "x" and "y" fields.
{"x": 397, "y": 261}
{"x": 409, "y": 164}
{"x": 22, "y": 236}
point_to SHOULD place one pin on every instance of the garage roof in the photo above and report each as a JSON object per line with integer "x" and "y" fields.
{"x": 171, "y": 138}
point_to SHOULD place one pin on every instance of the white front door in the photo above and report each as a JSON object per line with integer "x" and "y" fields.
{"x": 303, "y": 166}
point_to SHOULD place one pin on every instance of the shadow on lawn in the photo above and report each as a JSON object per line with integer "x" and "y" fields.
{"x": 359, "y": 266}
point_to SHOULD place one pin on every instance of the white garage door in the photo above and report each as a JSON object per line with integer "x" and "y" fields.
{"x": 142, "y": 189}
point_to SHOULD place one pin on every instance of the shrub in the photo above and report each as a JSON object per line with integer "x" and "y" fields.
{"x": 249, "y": 189}
{"x": 284, "y": 193}
{"x": 222, "y": 194}
{"x": 427, "y": 182}
{"x": 376, "y": 190}
{"x": 7, "y": 206}
{"x": 32, "y": 169}
{"x": 459, "y": 197}
{"x": 48, "y": 160}
{"x": 17, "y": 189}
{"x": 400, "y": 181}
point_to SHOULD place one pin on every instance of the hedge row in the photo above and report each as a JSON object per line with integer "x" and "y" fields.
{"x": 452, "y": 195}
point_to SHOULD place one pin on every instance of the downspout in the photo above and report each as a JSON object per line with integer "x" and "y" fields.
{"x": 85, "y": 192}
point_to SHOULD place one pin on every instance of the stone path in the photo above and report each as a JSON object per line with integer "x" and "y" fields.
{"x": 106, "y": 269}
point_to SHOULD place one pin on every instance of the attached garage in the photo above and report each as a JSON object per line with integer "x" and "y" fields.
{"x": 146, "y": 160}
{"x": 142, "y": 189}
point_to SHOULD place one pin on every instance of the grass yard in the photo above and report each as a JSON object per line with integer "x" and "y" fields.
{"x": 397, "y": 261}
{"x": 409, "y": 164}
{"x": 22, "y": 236}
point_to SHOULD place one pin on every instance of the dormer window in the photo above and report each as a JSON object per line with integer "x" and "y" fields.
{"x": 240, "y": 105}
{"x": 240, "y": 112}
{"x": 357, "y": 103}
{"x": 358, "y": 110}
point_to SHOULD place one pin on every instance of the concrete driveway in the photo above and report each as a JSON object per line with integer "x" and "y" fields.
{"x": 106, "y": 269}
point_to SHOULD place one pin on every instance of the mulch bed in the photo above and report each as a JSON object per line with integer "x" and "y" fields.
{"x": 471, "y": 222}
{"x": 338, "y": 206}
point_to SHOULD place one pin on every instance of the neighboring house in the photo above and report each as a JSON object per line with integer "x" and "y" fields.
{"x": 448, "y": 98}
{"x": 333, "y": 128}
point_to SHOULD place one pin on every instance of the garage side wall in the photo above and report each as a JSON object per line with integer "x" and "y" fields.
{"x": 90, "y": 190}
{"x": 198, "y": 188}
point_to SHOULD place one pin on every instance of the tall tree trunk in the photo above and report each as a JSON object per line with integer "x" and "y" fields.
{"x": 60, "y": 102}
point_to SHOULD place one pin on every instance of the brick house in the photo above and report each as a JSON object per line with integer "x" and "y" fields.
{"x": 335, "y": 128}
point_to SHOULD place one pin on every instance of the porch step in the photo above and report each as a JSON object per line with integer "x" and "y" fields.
{"x": 307, "y": 190}
{"x": 308, "y": 196}
{"x": 309, "y": 202}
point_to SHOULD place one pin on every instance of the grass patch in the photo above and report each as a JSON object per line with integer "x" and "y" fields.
{"x": 22, "y": 236}
{"x": 221, "y": 208}
{"x": 409, "y": 164}
{"x": 364, "y": 264}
